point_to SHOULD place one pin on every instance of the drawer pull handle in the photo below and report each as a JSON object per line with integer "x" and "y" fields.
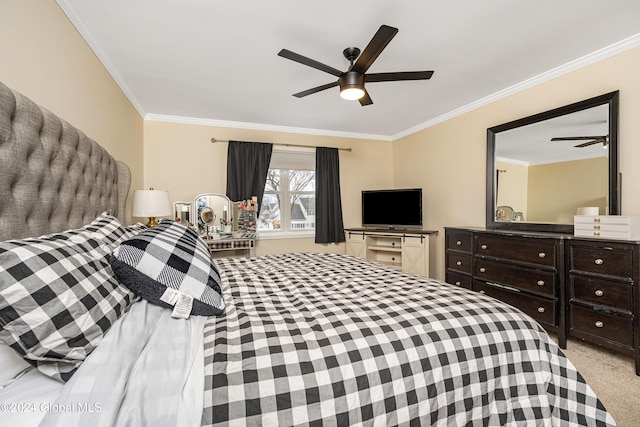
{"x": 483, "y": 270}
{"x": 596, "y": 233}
{"x": 459, "y": 243}
{"x": 596, "y": 219}
{"x": 599, "y": 324}
{"x": 484, "y": 247}
{"x": 458, "y": 283}
{"x": 458, "y": 263}
{"x": 599, "y": 261}
{"x": 596, "y": 227}
{"x": 599, "y": 292}
{"x": 542, "y": 255}
{"x": 540, "y": 282}
{"x": 540, "y": 309}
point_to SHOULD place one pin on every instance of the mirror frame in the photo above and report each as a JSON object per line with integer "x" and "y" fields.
{"x": 177, "y": 211}
{"x": 611, "y": 99}
{"x": 196, "y": 213}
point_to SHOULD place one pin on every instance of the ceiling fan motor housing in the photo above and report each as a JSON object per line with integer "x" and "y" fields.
{"x": 351, "y": 80}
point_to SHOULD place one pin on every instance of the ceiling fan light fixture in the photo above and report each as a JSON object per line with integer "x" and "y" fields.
{"x": 351, "y": 94}
{"x": 352, "y": 86}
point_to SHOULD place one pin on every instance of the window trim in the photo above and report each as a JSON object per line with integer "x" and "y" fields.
{"x": 274, "y": 235}
{"x": 285, "y": 215}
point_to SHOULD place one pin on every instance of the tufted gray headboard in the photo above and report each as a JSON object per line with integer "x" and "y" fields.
{"x": 52, "y": 176}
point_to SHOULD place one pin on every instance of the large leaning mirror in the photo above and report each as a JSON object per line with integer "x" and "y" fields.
{"x": 545, "y": 168}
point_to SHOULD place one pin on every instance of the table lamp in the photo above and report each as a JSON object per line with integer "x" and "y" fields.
{"x": 152, "y": 204}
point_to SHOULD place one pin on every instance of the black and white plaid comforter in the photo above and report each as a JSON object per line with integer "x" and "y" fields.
{"x": 332, "y": 340}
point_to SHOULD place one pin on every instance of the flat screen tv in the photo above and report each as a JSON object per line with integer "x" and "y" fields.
{"x": 392, "y": 209}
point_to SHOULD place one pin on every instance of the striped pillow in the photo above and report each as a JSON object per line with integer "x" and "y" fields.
{"x": 168, "y": 264}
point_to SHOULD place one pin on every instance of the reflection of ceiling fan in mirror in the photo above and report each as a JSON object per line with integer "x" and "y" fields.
{"x": 589, "y": 140}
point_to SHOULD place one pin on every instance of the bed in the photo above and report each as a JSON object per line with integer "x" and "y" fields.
{"x": 297, "y": 339}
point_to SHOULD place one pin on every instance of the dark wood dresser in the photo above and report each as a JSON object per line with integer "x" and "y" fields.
{"x": 580, "y": 287}
{"x": 459, "y": 257}
{"x": 602, "y": 293}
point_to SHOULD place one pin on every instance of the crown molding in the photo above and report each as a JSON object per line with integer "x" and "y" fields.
{"x": 262, "y": 127}
{"x": 599, "y": 55}
{"x": 74, "y": 16}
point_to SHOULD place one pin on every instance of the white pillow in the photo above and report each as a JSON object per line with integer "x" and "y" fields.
{"x": 13, "y": 366}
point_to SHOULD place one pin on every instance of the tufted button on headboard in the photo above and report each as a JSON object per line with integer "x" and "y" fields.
{"x": 52, "y": 176}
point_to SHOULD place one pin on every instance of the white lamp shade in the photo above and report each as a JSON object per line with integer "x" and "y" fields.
{"x": 151, "y": 203}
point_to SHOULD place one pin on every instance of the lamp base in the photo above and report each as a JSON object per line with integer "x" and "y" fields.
{"x": 152, "y": 222}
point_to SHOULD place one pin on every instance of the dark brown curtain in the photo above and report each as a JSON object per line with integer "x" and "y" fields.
{"x": 329, "y": 227}
{"x": 247, "y": 168}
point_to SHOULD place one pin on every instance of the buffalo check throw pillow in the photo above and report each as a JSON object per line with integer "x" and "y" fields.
{"x": 171, "y": 266}
{"x": 59, "y": 296}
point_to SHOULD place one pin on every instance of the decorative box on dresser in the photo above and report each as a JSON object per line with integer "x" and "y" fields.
{"x": 582, "y": 287}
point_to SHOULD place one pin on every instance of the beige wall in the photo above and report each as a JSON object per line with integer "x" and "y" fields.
{"x": 513, "y": 181}
{"x": 579, "y": 183}
{"x": 181, "y": 159}
{"x": 448, "y": 159}
{"x": 555, "y": 190}
{"x": 45, "y": 58}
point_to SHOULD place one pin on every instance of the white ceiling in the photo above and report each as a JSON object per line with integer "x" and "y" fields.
{"x": 215, "y": 62}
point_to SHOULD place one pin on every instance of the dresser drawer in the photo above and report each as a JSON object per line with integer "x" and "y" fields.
{"x": 601, "y": 292}
{"x": 600, "y": 324}
{"x": 459, "y": 240}
{"x": 543, "y": 310}
{"x": 459, "y": 279}
{"x": 602, "y": 260}
{"x": 532, "y": 280}
{"x": 459, "y": 262}
{"x": 529, "y": 250}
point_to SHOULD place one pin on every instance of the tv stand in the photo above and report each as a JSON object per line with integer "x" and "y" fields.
{"x": 400, "y": 248}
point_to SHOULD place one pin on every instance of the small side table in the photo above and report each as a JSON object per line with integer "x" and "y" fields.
{"x": 232, "y": 246}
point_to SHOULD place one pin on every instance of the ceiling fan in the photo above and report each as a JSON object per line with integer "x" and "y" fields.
{"x": 352, "y": 81}
{"x": 590, "y": 140}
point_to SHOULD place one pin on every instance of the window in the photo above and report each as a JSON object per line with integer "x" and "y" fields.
{"x": 289, "y": 200}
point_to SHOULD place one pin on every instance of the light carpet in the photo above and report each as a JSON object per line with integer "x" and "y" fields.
{"x": 612, "y": 376}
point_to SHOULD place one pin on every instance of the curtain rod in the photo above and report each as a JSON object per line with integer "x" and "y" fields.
{"x": 213, "y": 140}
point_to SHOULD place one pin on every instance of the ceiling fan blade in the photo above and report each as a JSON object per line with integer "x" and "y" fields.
{"x": 576, "y": 138}
{"x": 595, "y": 141}
{"x": 366, "y": 99}
{"x": 377, "y": 44}
{"x": 392, "y": 77}
{"x": 309, "y": 62}
{"x": 585, "y": 144}
{"x": 316, "y": 89}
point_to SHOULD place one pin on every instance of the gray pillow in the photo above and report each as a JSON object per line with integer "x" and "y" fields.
{"x": 58, "y": 295}
{"x": 168, "y": 264}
